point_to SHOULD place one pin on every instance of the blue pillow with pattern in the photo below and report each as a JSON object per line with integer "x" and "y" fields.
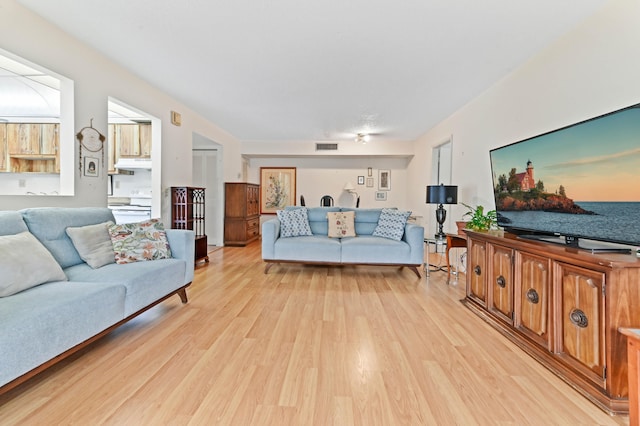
{"x": 294, "y": 223}
{"x": 391, "y": 224}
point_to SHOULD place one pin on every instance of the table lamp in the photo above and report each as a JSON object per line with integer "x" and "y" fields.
{"x": 441, "y": 194}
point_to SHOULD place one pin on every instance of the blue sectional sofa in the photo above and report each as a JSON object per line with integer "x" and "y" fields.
{"x": 363, "y": 249}
{"x": 47, "y": 322}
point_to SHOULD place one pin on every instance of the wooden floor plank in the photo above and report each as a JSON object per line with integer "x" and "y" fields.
{"x": 302, "y": 345}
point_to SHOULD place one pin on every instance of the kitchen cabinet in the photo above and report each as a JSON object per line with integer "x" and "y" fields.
{"x": 4, "y": 160}
{"x": 33, "y": 147}
{"x": 128, "y": 141}
{"x": 561, "y": 305}
{"x": 241, "y": 213}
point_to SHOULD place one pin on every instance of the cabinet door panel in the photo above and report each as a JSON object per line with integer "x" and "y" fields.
{"x": 129, "y": 140}
{"x": 532, "y": 315}
{"x": 3, "y": 147}
{"x": 582, "y": 304}
{"x": 23, "y": 138}
{"x": 501, "y": 282}
{"x": 477, "y": 271}
{"x": 145, "y": 140}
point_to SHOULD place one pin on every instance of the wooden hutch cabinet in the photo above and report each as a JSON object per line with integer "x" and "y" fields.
{"x": 561, "y": 305}
{"x": 187, "y": 212}
{"x": 241, "y": 213}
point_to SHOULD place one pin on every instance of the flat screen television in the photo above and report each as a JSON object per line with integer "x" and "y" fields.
{"x": 578, "y": 185}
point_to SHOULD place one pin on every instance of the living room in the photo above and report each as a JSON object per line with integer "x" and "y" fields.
{"x": 589, "y": 71}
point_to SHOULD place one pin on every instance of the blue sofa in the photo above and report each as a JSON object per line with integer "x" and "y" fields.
{"x": 45, "y": 323}
{"x": 363, "y": 249}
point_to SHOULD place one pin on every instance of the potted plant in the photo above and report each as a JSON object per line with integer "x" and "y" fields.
{"x": 479, "y": 220}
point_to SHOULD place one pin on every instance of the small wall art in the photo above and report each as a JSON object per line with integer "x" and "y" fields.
{"x": 360, "y": 180}
{"x": 370, "y": 182}
{"x": 381, "y": 196}
{"x": 384, "y": 180}
{"x": 91, "y": 166}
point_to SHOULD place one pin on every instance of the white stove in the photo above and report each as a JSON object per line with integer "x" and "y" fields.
{"x": 132, "y": 209}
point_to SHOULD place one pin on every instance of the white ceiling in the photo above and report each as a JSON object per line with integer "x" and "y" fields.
{"x": 300, "y": 70}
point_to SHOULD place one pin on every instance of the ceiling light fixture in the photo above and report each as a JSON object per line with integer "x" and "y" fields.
{"x": 363, "y": 138}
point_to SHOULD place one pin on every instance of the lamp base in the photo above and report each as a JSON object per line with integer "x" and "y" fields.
{"x": 441, "y": 215}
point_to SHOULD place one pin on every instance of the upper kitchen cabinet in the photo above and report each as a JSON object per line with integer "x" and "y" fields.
{"x": 30, "y": 148}
{"x": 3, "y": 147}
{"x": 128, "y": 141}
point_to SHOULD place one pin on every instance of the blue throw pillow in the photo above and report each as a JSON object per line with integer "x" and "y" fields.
{"x": 391, "y": 224}
{"x": 294, "y": 223}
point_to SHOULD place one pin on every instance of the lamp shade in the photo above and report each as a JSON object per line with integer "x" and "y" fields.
{"x": 442, "y": 194}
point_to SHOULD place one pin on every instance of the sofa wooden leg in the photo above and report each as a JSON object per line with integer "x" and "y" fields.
{"x": 183, "y": 295}
{"x": 267, "y": 267}
{"x": 415, "y": 270}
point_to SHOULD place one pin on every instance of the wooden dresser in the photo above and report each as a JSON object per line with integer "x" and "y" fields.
{"x": 561, "y": 305}
{"x": 241, "y": 213}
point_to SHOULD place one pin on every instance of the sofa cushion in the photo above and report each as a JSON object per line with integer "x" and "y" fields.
{"x": 366, "y": 219}
{"x": 44, "y": 321}
{"x": 371, "y": 249}
{"x": 25, "y": 263}
{"x": 145, "y": 282}
{"x": 391, "y": 224}
{"x": 294, "y": 222}
{"x": 136, "y": 242}
{"x": 316, "y": 248}
{"x": 93, "y": 243}
{"x": 11, "y": 223}
{"x": 341, "y": 224}
{"x": 49, "y": 225}
{"x": 318, "y": 219}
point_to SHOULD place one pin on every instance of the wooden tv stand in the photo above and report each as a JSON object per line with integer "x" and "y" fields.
{"x": 561, "y": 305}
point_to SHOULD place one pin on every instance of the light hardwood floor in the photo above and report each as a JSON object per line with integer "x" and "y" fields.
{"x": 303, "y": 345}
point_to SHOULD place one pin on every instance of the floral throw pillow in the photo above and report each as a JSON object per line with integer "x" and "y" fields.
{"x": 136, "y": 242}
{"x": 341, "y": 224}
{"x": 294, "y": 222}
{"x": 391, "y": 224}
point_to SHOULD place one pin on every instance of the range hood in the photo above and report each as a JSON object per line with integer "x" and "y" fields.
{"x": 133, "y": 163}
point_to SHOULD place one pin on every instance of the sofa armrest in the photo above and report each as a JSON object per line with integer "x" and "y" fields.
{"x": 270, "y": 234}
{"x": 414, "y": 236}
{"x": 183, "y": 246}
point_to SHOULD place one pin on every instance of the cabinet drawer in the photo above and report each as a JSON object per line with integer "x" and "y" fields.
{"x": 253, "y": 223}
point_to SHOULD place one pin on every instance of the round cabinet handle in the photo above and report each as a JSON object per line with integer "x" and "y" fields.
{"x": 502, "y": 283}
{"x": 477, "y": 270}
{"x": 532, "y": 296}
{"x": 578, "y": 318}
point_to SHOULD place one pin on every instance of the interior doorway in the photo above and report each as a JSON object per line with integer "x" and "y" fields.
{"x": 208, "y": 174}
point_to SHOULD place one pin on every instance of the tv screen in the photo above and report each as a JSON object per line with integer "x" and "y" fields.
{"x": 579, "y": 183}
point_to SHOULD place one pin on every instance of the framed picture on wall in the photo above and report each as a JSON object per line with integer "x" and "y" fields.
{"x": 384, "y": 180}
{"x": 381, "y": 196}
{"x": 91, "y": 166}
{"x": 277, "y": 188}
{"x": 360, "y": 180}
{"x": 369, "y": 182}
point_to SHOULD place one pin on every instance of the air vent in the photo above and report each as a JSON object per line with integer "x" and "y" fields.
{"x": 326, "y": 147}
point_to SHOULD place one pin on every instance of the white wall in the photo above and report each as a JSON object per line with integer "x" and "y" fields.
{"x": 592, "y": 70}
{"x": 96, "y": 78}
{"x": 316, "y": 177}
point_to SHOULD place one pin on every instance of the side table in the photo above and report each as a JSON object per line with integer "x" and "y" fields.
{"x": 453, "y": 241}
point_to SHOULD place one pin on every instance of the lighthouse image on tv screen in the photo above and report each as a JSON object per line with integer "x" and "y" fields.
{"x": 580, "y": 181}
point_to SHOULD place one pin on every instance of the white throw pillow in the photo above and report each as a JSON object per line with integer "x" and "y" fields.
{"x": 26, "y": 263}
{"x": 93, "y": 243}
{"x": 341, "y": 224}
